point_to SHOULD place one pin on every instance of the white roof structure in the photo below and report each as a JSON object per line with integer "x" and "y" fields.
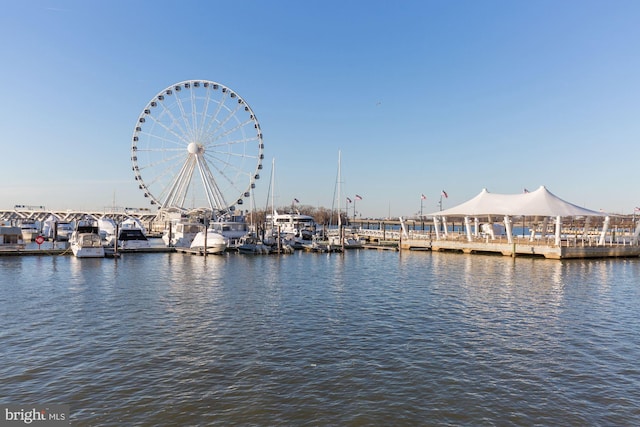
{"x": 540, "y": 202}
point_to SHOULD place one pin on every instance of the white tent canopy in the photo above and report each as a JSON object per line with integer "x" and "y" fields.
{"x": 539, "y": 202}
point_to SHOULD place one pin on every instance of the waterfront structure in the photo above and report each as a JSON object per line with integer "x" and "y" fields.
{"x": 19, "y": 214}
{"x": 556, "y": 228}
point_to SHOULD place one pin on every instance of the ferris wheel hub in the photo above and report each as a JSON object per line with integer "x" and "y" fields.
{"x": 195, "y": 148}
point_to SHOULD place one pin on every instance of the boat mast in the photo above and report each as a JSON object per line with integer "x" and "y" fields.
{"x": 273, "y": 188}
{"x": 339, "y": 184}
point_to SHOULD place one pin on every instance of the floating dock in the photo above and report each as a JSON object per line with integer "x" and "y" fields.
{"x": 35, "y": 252}
{"x": 566, "y": 250}
{"x": 109, "y": 252}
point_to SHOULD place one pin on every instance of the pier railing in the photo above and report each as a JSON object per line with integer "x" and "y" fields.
{"x": 570, "y": 240}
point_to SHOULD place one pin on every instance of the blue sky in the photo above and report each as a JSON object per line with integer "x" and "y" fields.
{"x": 419, "y": 96}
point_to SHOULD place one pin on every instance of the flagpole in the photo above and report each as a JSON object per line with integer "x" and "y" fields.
{"x": 442, "y": 193}
{"x": 354, "y": 208}
{"x": 356, "y": 198}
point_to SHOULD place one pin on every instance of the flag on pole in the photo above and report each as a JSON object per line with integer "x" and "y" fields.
{"x": 444, "y": 193}
{"x": 348, "y": 200}
{"x": 423, "y": 197}
{"x": 358, "y": 197}
{"x": 637, "y": 209}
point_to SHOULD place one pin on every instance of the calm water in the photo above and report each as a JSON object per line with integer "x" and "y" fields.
{"x": 365, "y": 338}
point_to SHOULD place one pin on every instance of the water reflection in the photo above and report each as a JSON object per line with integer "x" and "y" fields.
{"x": 365, "y": 337}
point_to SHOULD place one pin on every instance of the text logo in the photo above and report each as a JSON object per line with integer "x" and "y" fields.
{"x": 35, "y": 415}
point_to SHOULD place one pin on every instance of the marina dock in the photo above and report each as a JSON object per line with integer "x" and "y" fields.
{"x": 619, "y": 239}
{"x": 566, "y": 250}
{"x": 48, "y": 251}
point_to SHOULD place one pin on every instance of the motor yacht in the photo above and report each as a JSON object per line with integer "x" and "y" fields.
{"x": 85, "y": 240}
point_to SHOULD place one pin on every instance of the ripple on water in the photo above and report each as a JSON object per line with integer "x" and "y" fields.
{"x": 364, "y": 338}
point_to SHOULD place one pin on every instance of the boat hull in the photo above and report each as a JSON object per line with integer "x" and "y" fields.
{"x": 216, "y": 249}
{"x": 216, "y": 243}
{"x": 133, "y": 245}
{"x": 87, "y": 252}
{"x": 86, "y": 245}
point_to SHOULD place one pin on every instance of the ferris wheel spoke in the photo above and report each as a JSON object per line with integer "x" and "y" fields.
{"x": 214, "y": 195}
{"x": 184, "y": 119}
{"x": 217, "y": 137}
{"x": 177, "y": 190}
{"x": 214, "y": 121}
{"x": 170, "y": 130}
{"x": 168, "y": 174}
{"x": 221, "y": 166}
{"x": 180, "y": 133}
{"x": 235, "y": 142}
{"x": 164, "y": 160}
{"x": 226, "y": 156}
{"x": 205, "y": 115}
{"x": 161, "y": 150}
{"x": 222, "y": 124}
{"x": 234, "y": 162}
{"x": 194, "y": 112}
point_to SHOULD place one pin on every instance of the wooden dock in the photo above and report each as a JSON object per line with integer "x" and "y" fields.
{"x": 382, "y": 246}
{"x": 35, "y": 252}
{"x": 566, "y": 250}
{"x": 109, "y": 252}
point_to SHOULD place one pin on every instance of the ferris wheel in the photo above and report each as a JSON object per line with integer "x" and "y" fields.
{"x": 197, "y": 144}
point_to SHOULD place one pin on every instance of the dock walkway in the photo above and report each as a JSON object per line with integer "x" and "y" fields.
{"x": 570, "y": 247}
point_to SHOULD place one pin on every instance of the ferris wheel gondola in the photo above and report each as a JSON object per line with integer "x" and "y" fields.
{"x": 197, "y": 145}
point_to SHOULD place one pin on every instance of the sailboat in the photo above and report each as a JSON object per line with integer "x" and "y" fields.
{"x": 250, "y": 242}
{"x": 293, "y": 228}
{"x": 343, "y": 239}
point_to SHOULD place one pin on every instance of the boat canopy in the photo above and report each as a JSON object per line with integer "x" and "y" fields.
{"x": 540, "y": 202}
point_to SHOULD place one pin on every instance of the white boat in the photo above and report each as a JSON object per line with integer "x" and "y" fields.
{"x": 85, "y": 240}
{"x": 320, "y": 246}
{"x": 180, "y": 234}
{"x": 30, "y": 230}
{"x": 107, "y": 230}
{"x": 350, "y": 239}
{"x": 250, "y": 244}
{"x": 11, "y": 238}
{"x": 54, "y": 229}
{"x": 65, "y": 229}
{"x": 295, "y": 228}
{"x": 233, "y": 228}
{"x": 215, "y": 243}
{"x": 132, "y": 235}
{"x": 346, "y": 243}
{"x": 49, "y": 226}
